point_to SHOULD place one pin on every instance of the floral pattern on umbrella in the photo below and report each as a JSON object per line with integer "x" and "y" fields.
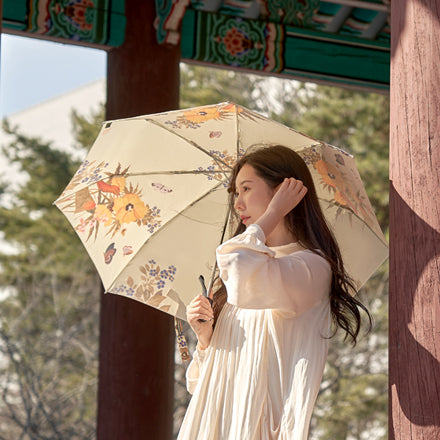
{"x": 149, "y": 286}
{"x": 222, "y": 164}
{"x": 151, "y": 279}
{"x": 111, "y": 202}
{"x": 194, "y": 118}
{"x": 88, "y": 172}
{"x": 187, "y": 180}
{"x": 333, "y": 179}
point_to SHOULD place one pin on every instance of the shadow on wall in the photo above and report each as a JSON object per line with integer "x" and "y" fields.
{"x": 415, "y": 330}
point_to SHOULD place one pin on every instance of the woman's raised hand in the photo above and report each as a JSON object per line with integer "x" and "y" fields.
{"x": 201, "y": 317}
{"x": 289, "y": 193}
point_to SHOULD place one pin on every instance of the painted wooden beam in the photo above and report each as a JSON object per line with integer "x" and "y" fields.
{"x": 414, "y": 310}
{"x": 136, "y": 371}
{"x": 99, "y": 24}
{"x": 277, "y": 49}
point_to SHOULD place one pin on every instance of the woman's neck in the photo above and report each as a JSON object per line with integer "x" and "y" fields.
{"x": 280, "y": 236}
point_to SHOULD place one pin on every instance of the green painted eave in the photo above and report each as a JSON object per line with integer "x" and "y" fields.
{"x": 102, "y": 24}
{"x": 300, "y": 53}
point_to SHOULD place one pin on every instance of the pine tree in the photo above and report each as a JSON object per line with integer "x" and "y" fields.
{"x": 50, "y": 301}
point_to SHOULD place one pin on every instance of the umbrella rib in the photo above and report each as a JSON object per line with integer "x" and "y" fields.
{"x": 205, "y": 172}
{"x": 360, "y": 219}
{"x": 152, "y": 173}
{"x": 194, "y": 144}
{"x": 111, "y": 284}
{"x": 216, "y": 159}
{"x": 180, "y": 213}
{"x": 211, "y": 282}
{"x": 169, "y": 172}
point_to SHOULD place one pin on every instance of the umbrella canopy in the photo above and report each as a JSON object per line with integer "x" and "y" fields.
{"x": 150, "y": 201}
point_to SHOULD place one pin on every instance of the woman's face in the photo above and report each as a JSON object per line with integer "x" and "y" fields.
{"x": 252, "y": 195}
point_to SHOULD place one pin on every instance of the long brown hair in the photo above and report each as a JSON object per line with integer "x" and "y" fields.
{"x": 307, "y": 223}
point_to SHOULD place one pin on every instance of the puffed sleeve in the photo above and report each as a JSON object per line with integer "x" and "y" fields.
{"x": 193, "y": 370}
{"x": 256, "y": 279}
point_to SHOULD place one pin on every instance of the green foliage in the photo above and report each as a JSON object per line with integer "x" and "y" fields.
{"x": 85, "y": 129}
{"x": 49, "y": 331}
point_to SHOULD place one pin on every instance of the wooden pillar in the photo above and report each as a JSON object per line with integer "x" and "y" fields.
{"x": 136, "y": 372}
{"x": 414, "y": 313}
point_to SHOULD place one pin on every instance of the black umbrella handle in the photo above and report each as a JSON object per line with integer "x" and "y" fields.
{"x": 204, "y": 292}
{"x": 202, "y": 282}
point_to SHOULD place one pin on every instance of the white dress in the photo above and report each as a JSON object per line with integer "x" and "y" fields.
{"x": 260, "y": 375}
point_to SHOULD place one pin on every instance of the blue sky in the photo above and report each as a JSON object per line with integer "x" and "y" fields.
{"x": 33, "y": 71}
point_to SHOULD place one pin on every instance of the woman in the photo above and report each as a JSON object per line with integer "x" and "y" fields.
{"x": 262, "y": 347}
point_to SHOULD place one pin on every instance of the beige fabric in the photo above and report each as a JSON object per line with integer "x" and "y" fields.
{"x": 259, "y": 378}
{"x": 150, "y": 201}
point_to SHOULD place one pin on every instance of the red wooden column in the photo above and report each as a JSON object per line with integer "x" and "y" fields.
{"x": 414, "y": 314}
{"x": 135, "y": 398}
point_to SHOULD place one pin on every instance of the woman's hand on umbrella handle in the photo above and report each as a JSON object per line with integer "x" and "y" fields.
{"x": 201, "y": 317}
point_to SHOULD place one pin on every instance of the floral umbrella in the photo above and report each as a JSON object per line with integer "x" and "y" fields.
{"x": 150, "y": 202}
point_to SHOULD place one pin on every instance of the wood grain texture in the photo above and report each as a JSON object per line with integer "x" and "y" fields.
{"x": 136, "y": 372}
{"x": 414, "y": 335}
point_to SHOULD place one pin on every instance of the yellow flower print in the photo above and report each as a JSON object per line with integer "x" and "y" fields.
{"x": 103, "y": 215}
{"x": 129, "y": 208}
{"x": 202, "y": 115}
{"x": 340, "y": 198}
{"x": 330, "y": 175}
{"x": 119, "y": 182}
{"x": 198, "y": 115}
{"x": 231, "y": 108}
{"x": 193, "y": 118}
{"x": 334, "y": 178}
